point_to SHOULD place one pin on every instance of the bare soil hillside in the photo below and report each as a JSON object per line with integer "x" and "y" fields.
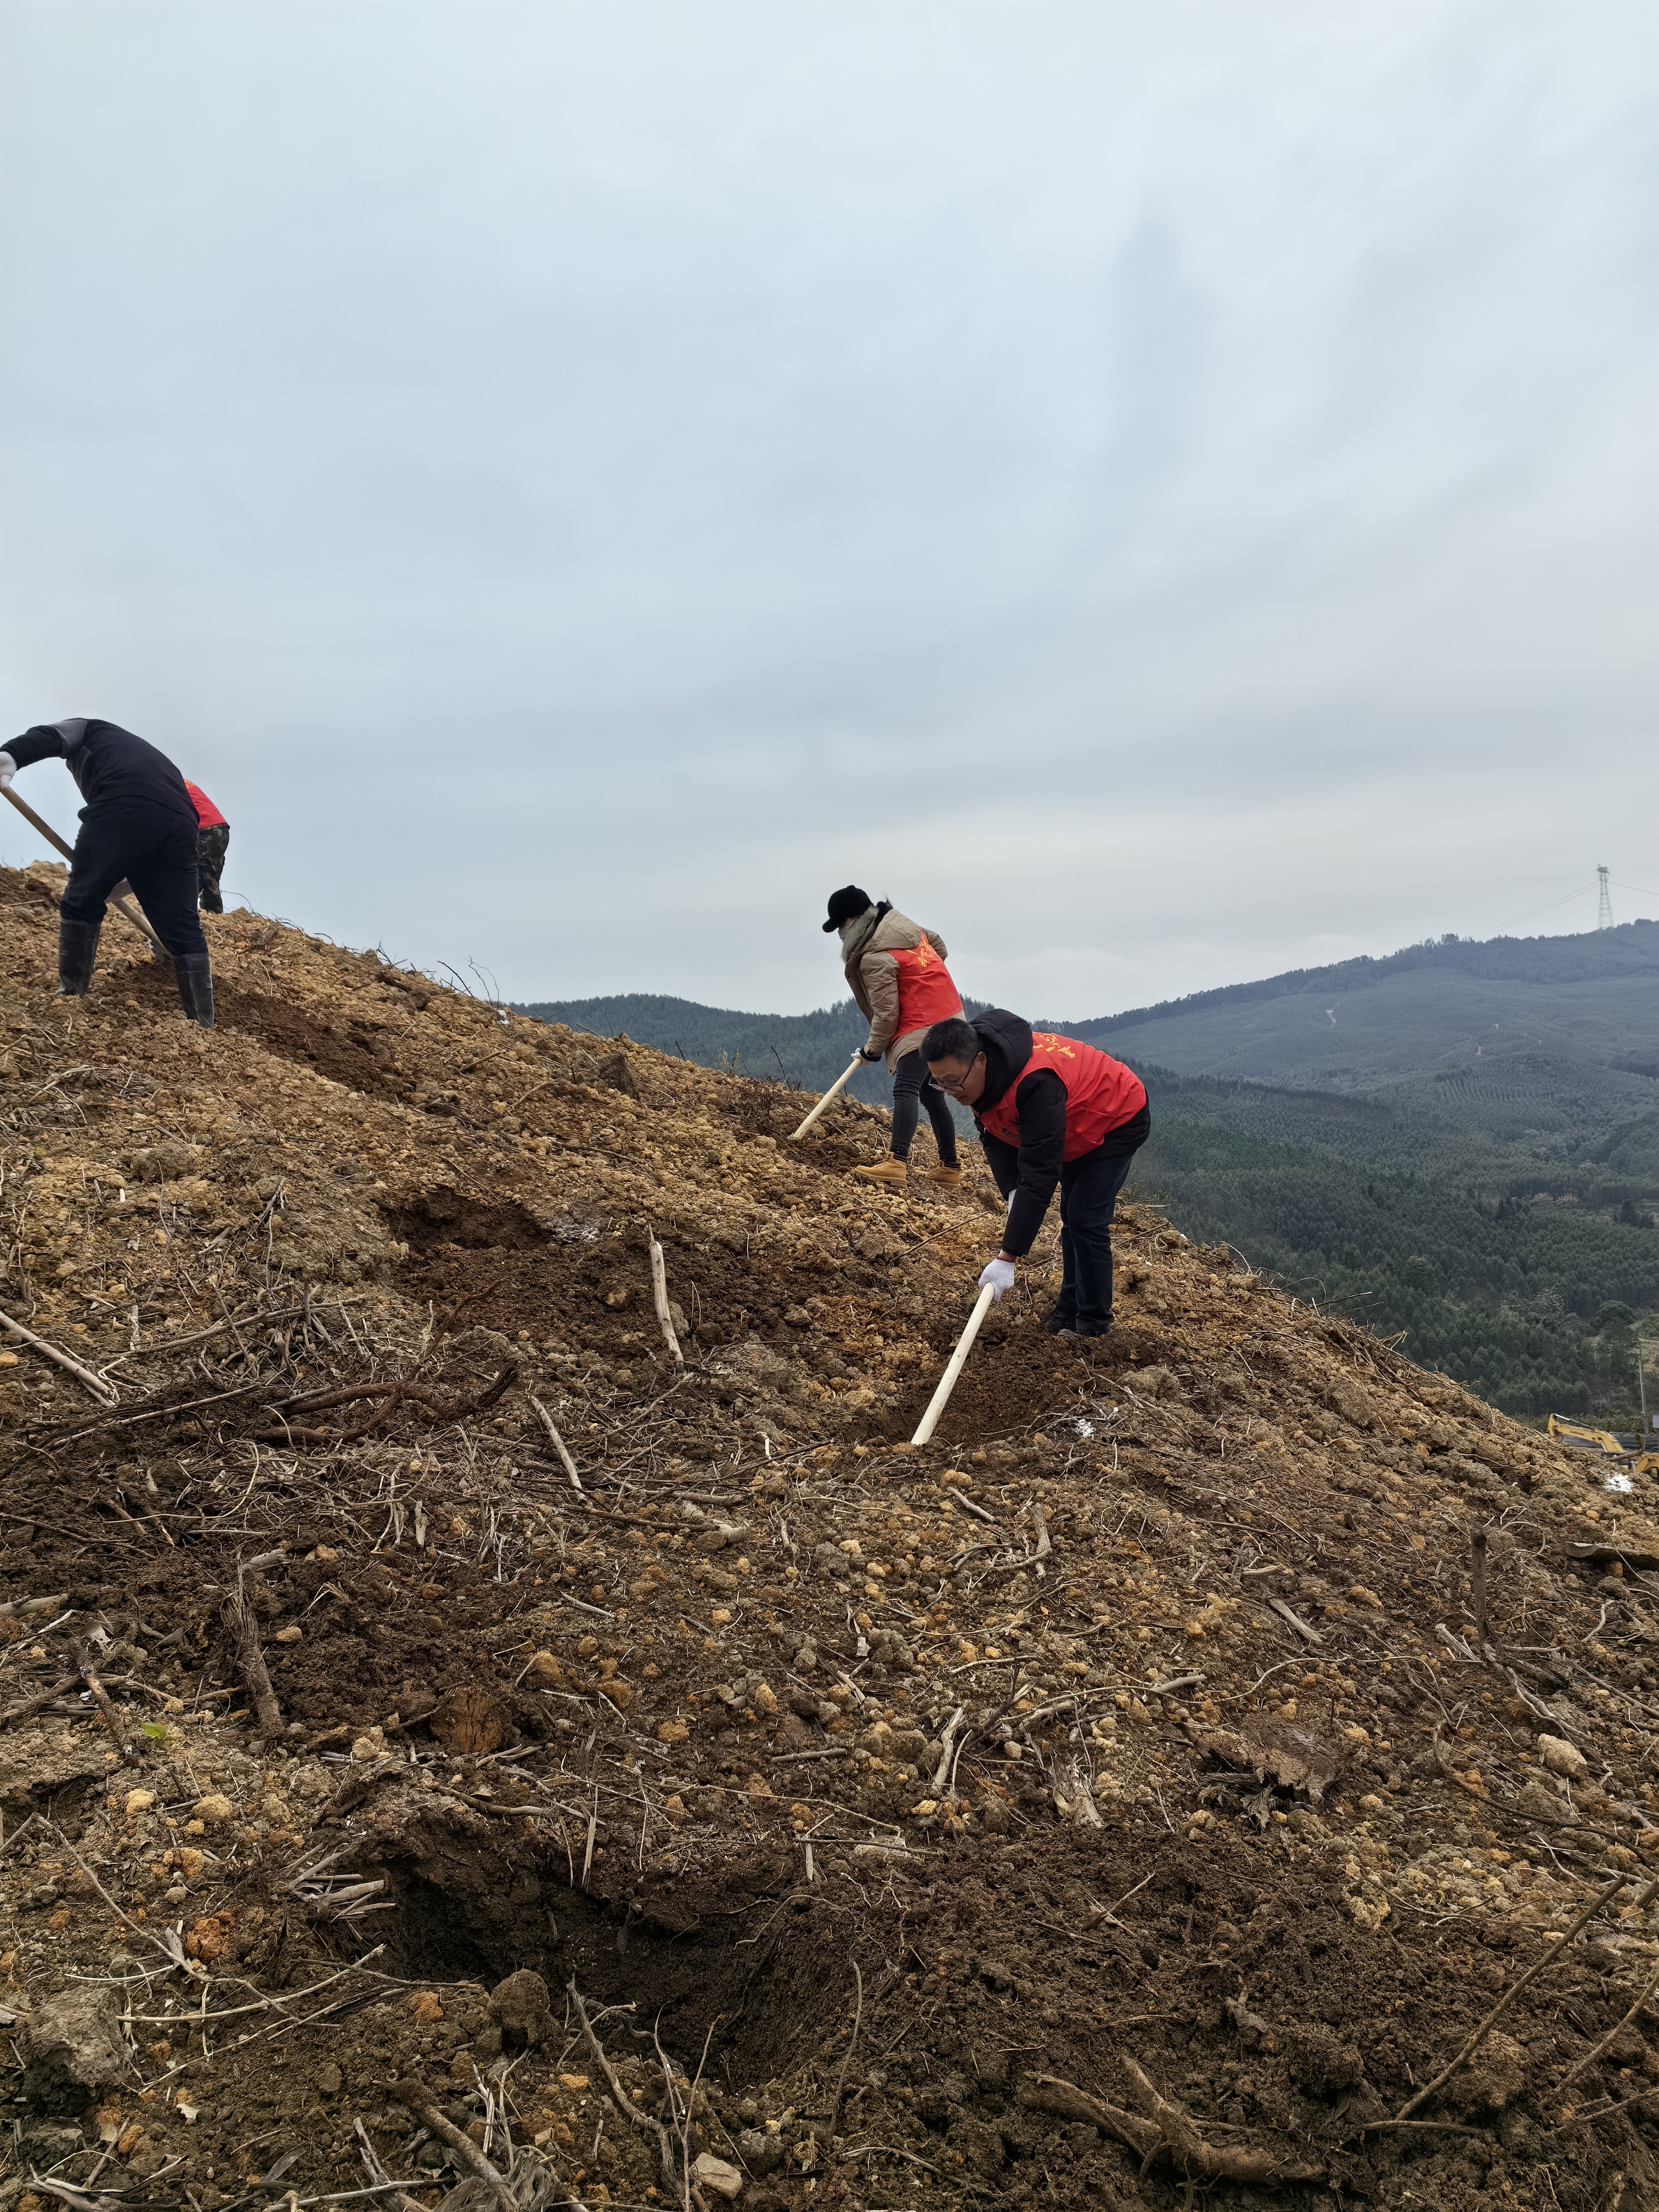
{"x": 1115, "y": 1799}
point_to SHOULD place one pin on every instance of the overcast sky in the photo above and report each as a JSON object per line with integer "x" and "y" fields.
{"x": 1163, "y": 494}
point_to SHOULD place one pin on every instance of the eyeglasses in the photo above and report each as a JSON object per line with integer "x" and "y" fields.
{"x": 956, "y": 1086}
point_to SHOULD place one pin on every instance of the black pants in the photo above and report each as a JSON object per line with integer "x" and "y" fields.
{"x": 155, "y": 851}
{"x": 212, "y": 842}
{"x": 912, "y": 1083}
{"x": 1088, "y": 1198}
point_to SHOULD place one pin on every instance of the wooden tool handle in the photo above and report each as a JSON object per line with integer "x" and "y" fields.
{"x": 846, "y": 1076}
{"x": 45, "y": 828}
{"x": 947, "y": 1381}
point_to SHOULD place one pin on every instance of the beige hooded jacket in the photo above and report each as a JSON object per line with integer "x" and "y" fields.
{"x": 868, "y": 943}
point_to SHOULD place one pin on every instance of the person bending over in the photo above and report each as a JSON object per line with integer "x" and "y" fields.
{"x": 1050, "y": 1109}
{"x": 900, "y": 984}
{"x": 138, "y": 823}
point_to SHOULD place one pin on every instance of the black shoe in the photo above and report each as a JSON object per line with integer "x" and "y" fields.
{"x": 77, "y": 949}
{"x": 1073, "y": 1329}
{"x": 195, "y": 976}
{"x": 1060, "y": 1324}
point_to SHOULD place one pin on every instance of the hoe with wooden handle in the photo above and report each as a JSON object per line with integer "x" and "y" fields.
{"x": 52, "y": 838}
{"x": 947, "y": 1381}
{"x": 846, "y": 1076}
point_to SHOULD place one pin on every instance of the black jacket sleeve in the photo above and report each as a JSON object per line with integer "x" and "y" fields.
{"x": 1040, "y": 1106}
{"x": 41, "y": 742}
{"x": 1003, "y": 1160}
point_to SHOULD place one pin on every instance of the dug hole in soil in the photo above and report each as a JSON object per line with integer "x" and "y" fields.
{"x": 1116, "y": 1800}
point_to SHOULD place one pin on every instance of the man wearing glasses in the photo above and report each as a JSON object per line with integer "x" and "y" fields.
{"x": 1050, "y": 1109}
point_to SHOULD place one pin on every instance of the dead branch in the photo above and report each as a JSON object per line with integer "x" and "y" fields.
{"x": 441, "y": 1409}
{"x": 172, "y": 1951}
{"x": 946, "y": 1738}
{"x": 1309, "y": 1635}
{"x": 112, "y": 1719}
{"x": 1166, "y": 2131}
{"x": 623, "y": 2102}
{"x": 239, "y": 1614}
{"x": 100, "y": 1389}
{"x": 1590, "y": 2057}
{"x": 660, "y": 1294}
{"x": 156, "y": 1412}
{"x": 1545, "y": 1959}
{"x": 681, "y": 2118}
{"x": 846, "y": 2056}
{"x": 559, "y": 1445}
{"x": 1603, "y": 2111}
{"x": 379, "y": 2174}
{"x": 413, "y": 2094}
{"x": 28, "y": 1707}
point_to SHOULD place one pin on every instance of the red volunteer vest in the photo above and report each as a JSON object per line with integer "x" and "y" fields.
{"x": 927, "y": 994}
{"x": 1100, "y": 1094}
{"x": 208, "y": 816}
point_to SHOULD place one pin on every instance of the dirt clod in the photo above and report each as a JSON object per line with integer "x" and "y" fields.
{"x": 72, "y": 2049}
{"x": 520, "y": 2007}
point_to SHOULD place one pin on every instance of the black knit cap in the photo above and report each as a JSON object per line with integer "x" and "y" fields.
{"x": 844, "y": 904}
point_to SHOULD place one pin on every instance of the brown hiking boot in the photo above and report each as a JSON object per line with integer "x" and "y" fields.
{"x": 949, "y": 1177}
{"x": 888, "y": 1172}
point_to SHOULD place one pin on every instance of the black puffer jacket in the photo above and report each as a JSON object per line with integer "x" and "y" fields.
{"x": 1027, "y": 1172}
{"x": 116, "y": 771}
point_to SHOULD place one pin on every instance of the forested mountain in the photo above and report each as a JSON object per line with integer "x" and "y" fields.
{"x": 1569, "y": 1023}
{"x": 1532, "y": 1303}
{"x": 1460, "y": 1141}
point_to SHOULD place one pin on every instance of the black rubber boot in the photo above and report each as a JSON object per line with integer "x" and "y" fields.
{"x": 195, "y": 976}
{"x": 77, "y": 948}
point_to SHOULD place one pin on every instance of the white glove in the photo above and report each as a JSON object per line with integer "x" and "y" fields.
{"x": 998, "y": 1277}
{"x": 8, "y": 770}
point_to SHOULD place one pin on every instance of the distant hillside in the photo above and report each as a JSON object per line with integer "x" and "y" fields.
{"x": 1460, "y": 1141}
{"x": 1544, "y": 1033}
{"x": 1591, "y": 955}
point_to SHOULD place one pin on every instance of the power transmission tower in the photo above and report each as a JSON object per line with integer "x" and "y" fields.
{"x": 1604, "y": 906}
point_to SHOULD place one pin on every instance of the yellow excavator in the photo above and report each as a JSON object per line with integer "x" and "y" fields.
{"x": 1626, "y": 1450}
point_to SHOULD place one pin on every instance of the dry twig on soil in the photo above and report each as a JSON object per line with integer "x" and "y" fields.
{"x": 647, "y": 2121}
{"x": 95, "y": 1383}
{"x": 108, "y": 1713}
{"x": 659, "y": 1293}
{"x": 28, "y": 1707}
{"x": 559, "y": 1445}
{"x": 1602, "y": 1897}
{"x": 378, "y": 2174}
{"x": 1590, "y": 2057}
{"x": 239, "y": 1616}
{"x": 846, "y": 2056}
{"x": 1166, "y": 2131}
{"x": 413, "y": 2093}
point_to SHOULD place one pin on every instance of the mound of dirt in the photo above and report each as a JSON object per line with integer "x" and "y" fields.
{"x": 1154, "y": 1782}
